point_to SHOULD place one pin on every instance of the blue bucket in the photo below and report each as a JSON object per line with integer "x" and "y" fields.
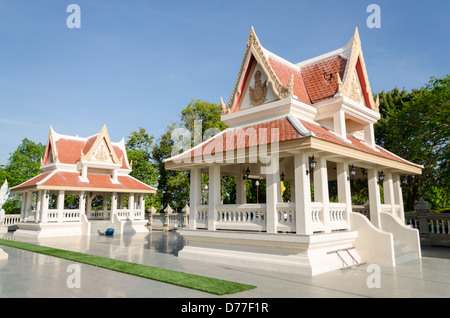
{"x": 109, "y": 232}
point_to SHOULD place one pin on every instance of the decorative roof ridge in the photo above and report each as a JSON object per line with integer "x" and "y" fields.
{"x": 344, "y": 52}
{"x": 281, "y": 60}
{"x": 37, "y": 176}
{"x": 299, "y": 126}
{"x": 255, "y": 48}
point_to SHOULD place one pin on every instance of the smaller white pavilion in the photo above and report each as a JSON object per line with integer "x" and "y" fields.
{"x": 309, "y": 124}
{"x": 83, "y": 181}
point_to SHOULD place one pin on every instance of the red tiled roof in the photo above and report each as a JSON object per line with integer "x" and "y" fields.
{"x": 317, "y": 77}
{"x": 69, "y": 150}
{"x": 287, "y": 131}
{"x": 284, "y": 73}
{"x": 246, "y": 137}
{"x": 72, "y": 179}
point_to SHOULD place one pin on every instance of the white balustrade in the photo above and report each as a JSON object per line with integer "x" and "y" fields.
{"x": 11, "y": 219}
{"x": 71, "y": 215}
{"x": 129, "y": 214}
{"x": 202, "y": 216}
{"x": 249, "y": 217}
{"x": 316, "y": 222}
{"x": 286, "y": 217}
{"x": 337, "y": 216}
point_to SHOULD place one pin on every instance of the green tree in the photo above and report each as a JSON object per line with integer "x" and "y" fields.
{"x": 173, "y": 186}
{"x": 139, "y": 151}
{"x": 23, "y": 164}
{"x": 415, "y": 126}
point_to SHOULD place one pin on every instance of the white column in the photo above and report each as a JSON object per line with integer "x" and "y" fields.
{"x": 292, "y": 183}
{"x": 44, "y": 207}
{"x": 142, "y": 205}
{"x": 113, "y": 206}
{"x": 339, "y": 124}
{"x": 88, "y": 206}
{"x": 398, "y": 196}
{"x": 241, "y": 190}
{"x": 82, "y": 203}
{"x": 388, "y": 191}
{"x": 24, "y": 207}
{"x": 303, "y": 218}
{"x": 369, "y": 135}
{"x": 105, "y": 206}
{"x": 374, "y": 196}
{"x": 60, "y": 205}
{"x": 321, "y": 191}
{"x": 121, "y": 201}
{"x": 214, "y": 194}
{"x": 195, "y": 196}
{"x": 38, "y": 206}
{"x": 344, "y": 191}
{"x": 131, "y": 205}
{"x": 272, "y": 198}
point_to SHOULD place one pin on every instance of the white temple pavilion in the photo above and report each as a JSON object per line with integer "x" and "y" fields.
{"x": 307, "y": 123}
{"x": 83, "y": 180}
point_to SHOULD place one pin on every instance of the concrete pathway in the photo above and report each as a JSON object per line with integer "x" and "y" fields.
{"x": 29, "y": 275}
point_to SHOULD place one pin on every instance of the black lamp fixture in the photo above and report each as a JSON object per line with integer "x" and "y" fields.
{"x": 247, "y": 173}
{"x": 282, "y": 176}
{"x": 404, "y": 180}
{"x": 352, "y": 173}
{"x": 312, "y": 165}
{"x": 364, "y": 172}
{"x": 381, "y": 178}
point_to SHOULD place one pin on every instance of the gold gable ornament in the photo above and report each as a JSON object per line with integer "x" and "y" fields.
{"x": 259, "y": 92}
{"x": 102, "y": 154}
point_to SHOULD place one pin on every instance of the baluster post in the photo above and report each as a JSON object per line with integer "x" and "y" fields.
{"x": 423, "y": 210}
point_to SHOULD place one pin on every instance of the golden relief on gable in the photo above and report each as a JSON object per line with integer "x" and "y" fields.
{"x": 102, "y": 154}
{"x": 355, "y": 91}
{"x": 258, "y": 93}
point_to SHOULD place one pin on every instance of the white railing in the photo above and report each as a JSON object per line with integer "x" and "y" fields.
{"x": 439, "y": 223}
{"x": 68, "y": 215}
{"x": 11, "y": 219}
{"x": 316, "y": 221}
{"x": 202, "y": 216}
{"x": 97, "y": 214}
{"x": 250, "y": 217}
{"x": 127, "y": 214}
{"x": 337, "y": 216}
{"x": 167, "y": 220}
{"x": 71, "y": 215}
{"x": 286, "y": 217}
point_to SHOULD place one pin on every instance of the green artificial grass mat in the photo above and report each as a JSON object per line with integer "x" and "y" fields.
{"x": 197, "y": 282}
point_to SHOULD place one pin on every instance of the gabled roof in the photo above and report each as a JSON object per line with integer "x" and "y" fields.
{"x": 56, "y": 180}
{"x": 310, "y": 81}
{"x": 290, "y": 129}
{"x": 72, "y": 149}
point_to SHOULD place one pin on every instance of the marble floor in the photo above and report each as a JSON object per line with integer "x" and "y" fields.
{"x": 29, "y": 275}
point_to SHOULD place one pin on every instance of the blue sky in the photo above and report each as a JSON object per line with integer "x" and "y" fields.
{"x": 136, "y": 63}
